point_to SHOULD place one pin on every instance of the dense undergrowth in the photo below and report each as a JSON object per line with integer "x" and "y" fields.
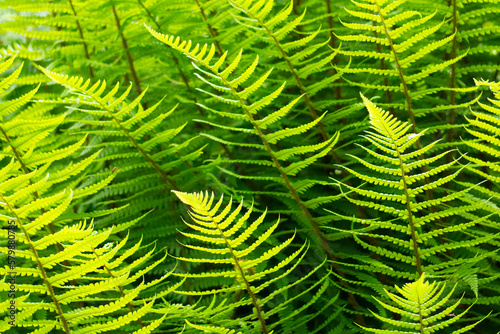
{"x": 249, "y": 166}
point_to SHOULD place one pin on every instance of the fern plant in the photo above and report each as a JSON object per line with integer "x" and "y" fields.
{"x": 272, "y": 157}
{"x": 401, "y": 44}
{"x": 272, "y": 113}
{"x": 298, "y": 64}
{"x": 397, "y": 193}
{"x": 237, "y": 255}
{"x": 133, "y": 140}
{"x": 482, "y": 147}
{"x": 421, "y": 307}
{"x": 486, "y": 140}
{"x": 95, "y": 284}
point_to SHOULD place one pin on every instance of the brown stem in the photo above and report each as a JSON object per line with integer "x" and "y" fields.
{"x": 333, "y": 44}
{"x": 333, "y": 39}
{"x": 451, "y": 112}
{"x": 164, "y": 177}
{"x": 213, "y": 32}
{"x": 312, "y": 110}
{"x": 80, "y": 31}
{"x": 453, "y": 78}
{"x": 383, "y": 66}
{"x": 406, "y": 91}
{"x": 130, "y": 60}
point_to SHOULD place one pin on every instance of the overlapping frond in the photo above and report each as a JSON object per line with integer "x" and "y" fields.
{"x": 412, "y": 232}
{"x": 423, "y": 309}
{"x": 134, "y": 140}
{"x": 482, "y": 150}
{"x": 398, "y": 45}
{"x": 275, "y": 122}
{"x": 303, "y": 56}
{"x": 257, "y": 127}
{"x": 486, "y": 129}
{"x": 233, "y": 246}
{"x": 57, "y": 267}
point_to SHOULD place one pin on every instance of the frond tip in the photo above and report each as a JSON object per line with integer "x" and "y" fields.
{"x": 421, "y": 306}
{"x": 236, "y": 246}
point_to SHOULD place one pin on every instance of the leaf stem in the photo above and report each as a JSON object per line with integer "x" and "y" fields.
{"x": 429, "y": 193}
{"x": 307, "y": 100}
{"x": 406, "y": 91}
{"x": 411, "y": 222}
{"x": 247, "y": 284}
{"x": 40, "y": 266}
{"x": 211, "y": 29}
{"x": 164, "y": 176}
{"x": 80, "y": 31}
{"x": 126, "y": 48}
{"x": 453, "y": 77}
{"x": 305, "y": 211}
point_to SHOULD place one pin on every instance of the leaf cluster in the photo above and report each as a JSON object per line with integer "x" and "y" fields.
{"x": 359, "y": 138}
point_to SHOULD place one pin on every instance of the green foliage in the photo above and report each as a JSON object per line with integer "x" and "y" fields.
{"x": 233, "y": 253}
{"x": 420, "y": 307}
{"x": 115, "y": 113}
{"x": 42, "y": 239}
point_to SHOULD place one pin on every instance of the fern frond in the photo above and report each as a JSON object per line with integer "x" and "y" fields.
{"x": 421, "y": 307}
{"x": 34, "y": 203}
{"x": 219, "y": 227}
{"x": 200, "y": 55}
{"x": 396, "y": 192}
